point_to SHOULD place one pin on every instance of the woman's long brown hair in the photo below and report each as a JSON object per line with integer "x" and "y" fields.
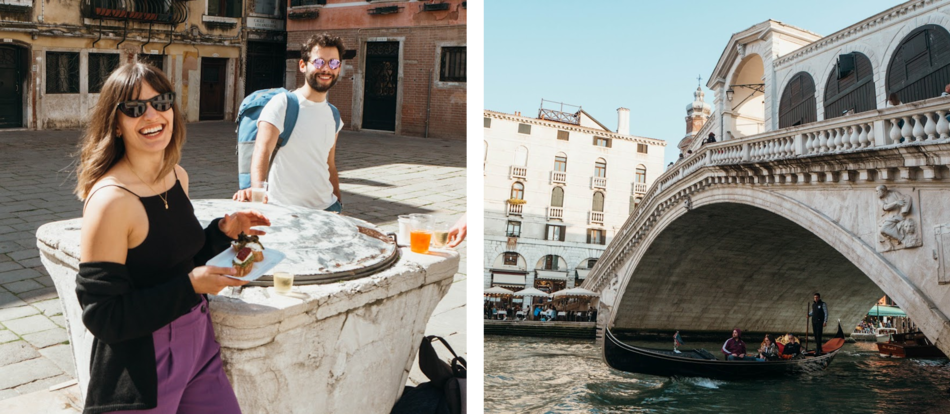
{"x": 100, "y": 148}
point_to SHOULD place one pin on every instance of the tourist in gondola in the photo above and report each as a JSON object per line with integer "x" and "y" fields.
{"x": 791, "y": 347}
{"x": 767, "y": 351}
{"x": 734, "y": 348}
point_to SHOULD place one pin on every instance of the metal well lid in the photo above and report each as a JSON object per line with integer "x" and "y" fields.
{"x": 321, "y": 247}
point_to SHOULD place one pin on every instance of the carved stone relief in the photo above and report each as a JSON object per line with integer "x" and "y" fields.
{"x": 897, "y": 228}
{"x": 942, "y": 253}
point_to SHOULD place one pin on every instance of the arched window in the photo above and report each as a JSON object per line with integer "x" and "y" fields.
{"x": 598, "y": 204}
{"x": 517, "y": 191}
{"x": 600, "y": 168}
{"x": 521, "y": 156}
{"x": 920, "y": 66}
{"x": 557, "y": 197}
{"x": 797, "y": 105}
{"x": 641, "y": 174}
{"x": 850, "y": 86}
{"x": 552, "y": 262}
{"x": 560, "y": 162}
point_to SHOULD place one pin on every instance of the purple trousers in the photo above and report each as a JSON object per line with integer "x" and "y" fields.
{"x": 191, "y": 377}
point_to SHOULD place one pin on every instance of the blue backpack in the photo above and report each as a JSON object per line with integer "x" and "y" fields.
{"x": 249, "y": 112}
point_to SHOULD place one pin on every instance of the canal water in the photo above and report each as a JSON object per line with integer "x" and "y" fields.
{"x": 542, "y": 375}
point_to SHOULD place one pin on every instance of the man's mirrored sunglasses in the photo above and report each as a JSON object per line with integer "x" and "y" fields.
{"x": 318, "y": 63}
{"x": 135, "y": 108}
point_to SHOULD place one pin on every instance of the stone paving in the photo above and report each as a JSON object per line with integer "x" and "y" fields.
{"x": 381, "y": 177}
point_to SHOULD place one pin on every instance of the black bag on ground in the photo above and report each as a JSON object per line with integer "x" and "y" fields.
{"x": 445, "y": 391}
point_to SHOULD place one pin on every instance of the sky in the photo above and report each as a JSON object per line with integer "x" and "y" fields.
{"x": 644, "y": 56}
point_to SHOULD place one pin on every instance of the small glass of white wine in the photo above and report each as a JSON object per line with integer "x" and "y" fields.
{"x": 283, "y": 282}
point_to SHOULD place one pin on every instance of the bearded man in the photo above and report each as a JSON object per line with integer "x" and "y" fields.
{"x": 304, "y": 172}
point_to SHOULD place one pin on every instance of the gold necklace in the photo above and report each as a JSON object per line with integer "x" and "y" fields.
{"x": 164, "y": 199}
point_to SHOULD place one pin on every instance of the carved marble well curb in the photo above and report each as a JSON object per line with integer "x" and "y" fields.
{"x": 338, "y": 347}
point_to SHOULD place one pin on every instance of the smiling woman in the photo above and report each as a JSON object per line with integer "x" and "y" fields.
{"x": 142, "y": 255}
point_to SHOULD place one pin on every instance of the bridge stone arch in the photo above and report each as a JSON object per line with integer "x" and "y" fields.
{"x": 815, "y": 215}
{"x": 774, "y": 267}
{"x": 748, "y": 70}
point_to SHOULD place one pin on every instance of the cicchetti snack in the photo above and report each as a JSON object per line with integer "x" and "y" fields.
{"x": 243, "y": 262}
{"x": 251, "y": 242}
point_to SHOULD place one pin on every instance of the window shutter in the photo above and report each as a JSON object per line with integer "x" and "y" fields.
{"x": 557, "y": 197}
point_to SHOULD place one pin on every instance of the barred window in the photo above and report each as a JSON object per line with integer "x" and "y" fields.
{"x": 100, "y": 66}
{"x": 453, "y": 64}
{"x": 563, "y": 135}
{"x": 487, "y": 122}
{"x": 524, "y": 129}
{"x": 62, "y": 72}
{"x": 642, "y": 148}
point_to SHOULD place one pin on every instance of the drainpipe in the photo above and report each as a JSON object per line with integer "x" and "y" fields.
{"x": 147, "y": 39}
{"x": 100, "y": 34}
{"x": 171, "y": 37}
{"x": 428, "y": 103}
{"x": 125, "y": 33}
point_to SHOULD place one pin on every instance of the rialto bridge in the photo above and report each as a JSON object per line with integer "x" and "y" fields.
{"x": 743, "y": 232}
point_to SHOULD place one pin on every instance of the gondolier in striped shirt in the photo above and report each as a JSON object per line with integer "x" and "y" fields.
{"x": 819, "y": 319}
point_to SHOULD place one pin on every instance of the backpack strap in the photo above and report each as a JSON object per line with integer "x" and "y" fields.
{"x": 290, "y": 121}
{"x": 290, "y": 117}
{"x": 337, "y": 120}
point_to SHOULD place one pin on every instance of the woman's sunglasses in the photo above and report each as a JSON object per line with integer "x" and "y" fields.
{"x": 135, "y": 108}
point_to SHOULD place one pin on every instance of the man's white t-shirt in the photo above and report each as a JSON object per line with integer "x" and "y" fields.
{"x": 300, "y": 175}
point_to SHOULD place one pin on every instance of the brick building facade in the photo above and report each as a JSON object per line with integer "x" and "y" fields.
{"x": 404, "y": 70}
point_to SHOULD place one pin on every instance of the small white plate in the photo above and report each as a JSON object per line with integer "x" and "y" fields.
{"x": 271, "y": 258}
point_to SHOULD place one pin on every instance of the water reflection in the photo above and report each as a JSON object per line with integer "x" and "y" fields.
{"x": 539, "y": 375}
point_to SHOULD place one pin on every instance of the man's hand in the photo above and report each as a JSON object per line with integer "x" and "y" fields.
{"x": 245, "y": 196}
{"x": 241, "y": 222}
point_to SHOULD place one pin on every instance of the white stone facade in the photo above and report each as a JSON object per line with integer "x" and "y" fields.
{"x": 529, "y": 159}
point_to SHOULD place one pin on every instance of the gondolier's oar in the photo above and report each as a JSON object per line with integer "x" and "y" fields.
{"x": 806, "y": 328}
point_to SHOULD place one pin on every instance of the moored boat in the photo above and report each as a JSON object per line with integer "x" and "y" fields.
{"x": 701, "y": 363}
{"x": 909, "y": 345}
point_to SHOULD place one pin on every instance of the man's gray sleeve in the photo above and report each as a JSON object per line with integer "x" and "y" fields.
{"x": 826, "y": 311}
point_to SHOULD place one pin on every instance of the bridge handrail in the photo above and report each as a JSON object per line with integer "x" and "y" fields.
{"x": 915, "y": 123}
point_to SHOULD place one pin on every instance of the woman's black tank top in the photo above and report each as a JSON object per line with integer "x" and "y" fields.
{"x": 174, "y": 238}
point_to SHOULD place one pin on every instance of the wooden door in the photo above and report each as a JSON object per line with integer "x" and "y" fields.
{"x": 379, "y": 95}
{"x": 11, "y": 89}
{"x": 213, "y": 82}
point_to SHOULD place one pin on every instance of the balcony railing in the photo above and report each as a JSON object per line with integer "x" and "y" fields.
{"x": 558, "y": 177}
{"x": 518, "y": 171}
{"x": 556, "y": 213}
{"x": 157, "y": 11}
{"x": 515, "y": 209}
{"x": 598, "y": 182}
{"x": 639, "y": 188}
{"x": 595, "y": 217}
{"x": 301, "y": 3}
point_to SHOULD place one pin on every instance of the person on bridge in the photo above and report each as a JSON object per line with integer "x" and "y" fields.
{"x": 734, "y": 348}
{"x": 819, "y": 319}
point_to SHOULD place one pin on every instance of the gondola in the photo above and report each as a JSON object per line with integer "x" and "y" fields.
{"x": 701, "y": 363}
